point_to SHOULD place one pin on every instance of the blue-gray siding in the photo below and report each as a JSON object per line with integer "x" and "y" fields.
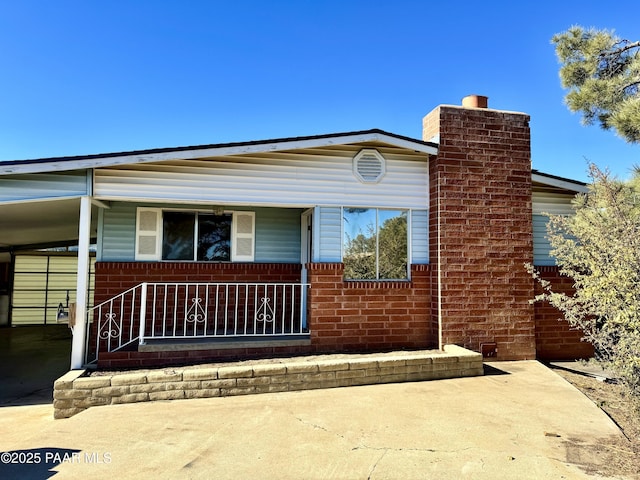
{"x": 277, "y": 233}
{"x": 541, "y": 246}
{"x": 329, "y": 235}
{"x": 329, "y": 239}
{"x": 419, "y": 236}
{"x": 42, "y": 186}
{"x": 118, "y": 228}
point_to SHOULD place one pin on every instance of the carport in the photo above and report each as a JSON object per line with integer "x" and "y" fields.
{"x": 43, "y": 205}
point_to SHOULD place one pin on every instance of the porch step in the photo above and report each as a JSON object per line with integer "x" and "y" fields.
{"x": 189, "y": 344}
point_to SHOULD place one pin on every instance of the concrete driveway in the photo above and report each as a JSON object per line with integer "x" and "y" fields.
{"x": 521, "y": 421}
{"x": 31, "y": 359}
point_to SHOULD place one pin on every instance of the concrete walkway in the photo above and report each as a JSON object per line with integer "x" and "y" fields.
{"x": 520, "y": 421}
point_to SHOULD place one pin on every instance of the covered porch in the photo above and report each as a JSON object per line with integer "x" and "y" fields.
{"x": 209, "y": 246}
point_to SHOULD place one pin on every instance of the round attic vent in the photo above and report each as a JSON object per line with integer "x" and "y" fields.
{"x": 368, "y": 166}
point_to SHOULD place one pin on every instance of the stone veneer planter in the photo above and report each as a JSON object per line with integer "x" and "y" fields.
{"x": 75, "y": 391}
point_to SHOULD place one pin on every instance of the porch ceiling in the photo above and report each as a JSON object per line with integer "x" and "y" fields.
{"x": 41, "y": 223}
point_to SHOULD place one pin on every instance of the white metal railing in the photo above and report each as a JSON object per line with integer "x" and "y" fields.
{"x": 156, "y": 311}
{"x": 111, "y": 325}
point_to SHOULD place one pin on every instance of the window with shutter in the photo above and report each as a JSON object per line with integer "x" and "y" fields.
{"x": 194, "y": 236}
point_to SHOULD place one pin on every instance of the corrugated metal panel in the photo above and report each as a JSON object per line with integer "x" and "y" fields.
{"x": 42, "y": 185}
{"x": 556, "y": 203}
{"x": 41, "y": 283}
{"x": 419, "y": 236}
{"x": 541, "y": 246}
{"x": 330, "y": 235}
{"x": 296, "y": 178}
{"x": 63, "y": 264}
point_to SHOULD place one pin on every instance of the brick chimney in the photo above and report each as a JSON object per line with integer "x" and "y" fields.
{"x": 481, "y": 228}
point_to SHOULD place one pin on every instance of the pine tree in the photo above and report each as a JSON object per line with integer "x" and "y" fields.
{"x": 602, "y": 74}
{"x": 599, "y": 249}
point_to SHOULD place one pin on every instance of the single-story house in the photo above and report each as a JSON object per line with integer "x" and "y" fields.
{"x": 358, "y": 241}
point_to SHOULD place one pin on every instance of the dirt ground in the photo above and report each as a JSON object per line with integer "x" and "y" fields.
{"x": 622, "y": 457}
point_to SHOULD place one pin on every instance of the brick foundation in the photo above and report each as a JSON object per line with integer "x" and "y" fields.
{"x": 555, "y": 339}
{"x": 481, "y": 229}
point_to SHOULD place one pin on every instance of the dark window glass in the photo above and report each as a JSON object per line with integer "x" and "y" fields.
{"x": 179, "y": 231}
{"x": 214, "y": 238}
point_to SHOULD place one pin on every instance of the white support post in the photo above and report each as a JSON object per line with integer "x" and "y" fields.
{"x": 82, "y": 285}
{"x": 143, "y": 314}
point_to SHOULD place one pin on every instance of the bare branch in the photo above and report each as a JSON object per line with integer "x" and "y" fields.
{"x": 621, "y": 50}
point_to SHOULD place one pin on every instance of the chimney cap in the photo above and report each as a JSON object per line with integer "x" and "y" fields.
{"x": 475, "y": 101}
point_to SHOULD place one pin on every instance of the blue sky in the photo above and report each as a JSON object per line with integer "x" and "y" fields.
{"x": 82, "y": 77}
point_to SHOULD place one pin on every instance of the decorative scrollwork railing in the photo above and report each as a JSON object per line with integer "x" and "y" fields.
{"x": 155, "y": 311}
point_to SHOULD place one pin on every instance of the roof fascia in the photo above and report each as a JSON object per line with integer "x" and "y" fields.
{"x": 80, "y": 163}
{"x": 559, "y": 183}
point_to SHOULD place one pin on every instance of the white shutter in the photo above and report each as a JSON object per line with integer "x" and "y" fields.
{"x": 148, "y": 233}
{"x": 243, "y": 239}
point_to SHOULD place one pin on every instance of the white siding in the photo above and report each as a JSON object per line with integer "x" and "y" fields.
{"x": 294, "y": 178}
{"x": 556, "y": 203}
{"x": 42, "y": 185}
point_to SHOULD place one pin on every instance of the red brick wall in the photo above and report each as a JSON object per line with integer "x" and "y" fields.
{"x": 112, "y": 278}
{"x": 369, "y": 316}
{"x": 555, "y": 340}
{"x": 481, "y": 229}
{"x": 343, "y": 316}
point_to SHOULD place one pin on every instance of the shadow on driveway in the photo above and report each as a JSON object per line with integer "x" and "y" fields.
{"x": 36, "y": 463}
{"x": 31, "y": 359}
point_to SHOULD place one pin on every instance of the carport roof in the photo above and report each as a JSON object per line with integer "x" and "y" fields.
{"x": 40, "y": 224}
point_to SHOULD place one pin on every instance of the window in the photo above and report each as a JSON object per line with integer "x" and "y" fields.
{"x": 375, "y": 245}
{"x": 194, "y": 236}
